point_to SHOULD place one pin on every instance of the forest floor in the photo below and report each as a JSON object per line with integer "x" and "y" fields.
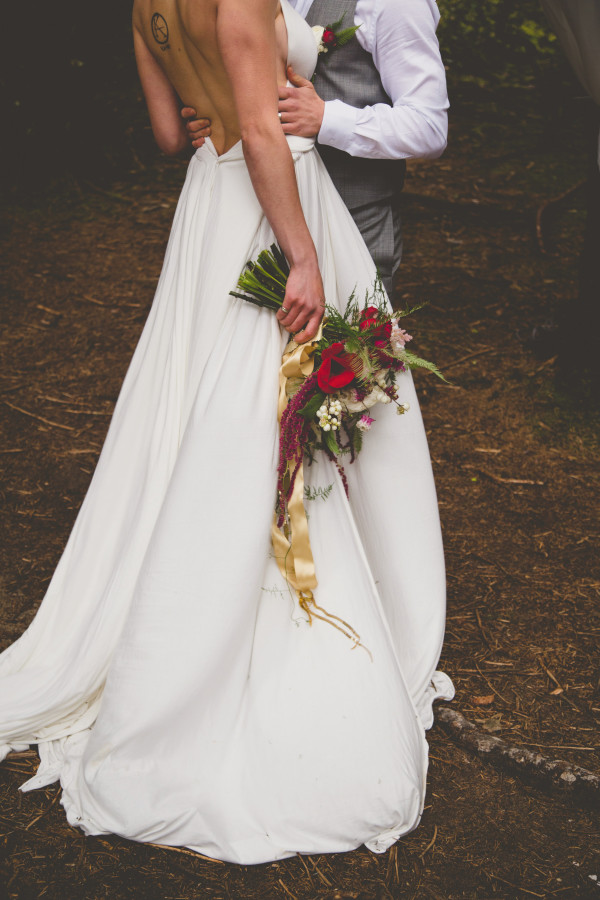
{"x": 515, "y": 460}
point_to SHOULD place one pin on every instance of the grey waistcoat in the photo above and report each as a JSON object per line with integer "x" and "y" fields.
{"x": 348, "y": 73}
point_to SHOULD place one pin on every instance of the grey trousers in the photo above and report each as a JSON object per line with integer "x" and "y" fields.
{"x": 381, "y": 228}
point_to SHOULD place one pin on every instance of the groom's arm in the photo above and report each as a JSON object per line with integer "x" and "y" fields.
{"x": 401, "y": 38}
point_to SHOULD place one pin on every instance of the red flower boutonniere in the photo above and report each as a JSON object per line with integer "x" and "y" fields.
{"x": 332, "y": 37}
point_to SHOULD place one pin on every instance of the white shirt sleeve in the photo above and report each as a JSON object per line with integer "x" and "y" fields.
{"x": 400, "y": 35}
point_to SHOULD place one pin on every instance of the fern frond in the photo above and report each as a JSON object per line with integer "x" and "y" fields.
{"x": 415, "y": 362}
{"x": 343, "y": 37}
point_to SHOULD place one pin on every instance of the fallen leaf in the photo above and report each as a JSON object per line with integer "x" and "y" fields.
{"x": 493, "y": 723}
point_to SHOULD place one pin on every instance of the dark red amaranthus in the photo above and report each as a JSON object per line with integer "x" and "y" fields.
{"x": 293, "y": 434}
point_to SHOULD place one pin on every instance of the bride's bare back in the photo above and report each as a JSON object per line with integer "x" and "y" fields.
{"x": 182, "y": 37}
{"x": 226, "y": 58}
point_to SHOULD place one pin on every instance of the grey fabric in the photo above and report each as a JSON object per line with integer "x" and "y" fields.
{"x": 380, "y": 225}
{"x": 370, "y": 188}
{"x": 349, "y": 74}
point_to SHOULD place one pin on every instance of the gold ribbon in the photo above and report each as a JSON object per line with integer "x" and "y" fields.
{"x": 291, "y": 544}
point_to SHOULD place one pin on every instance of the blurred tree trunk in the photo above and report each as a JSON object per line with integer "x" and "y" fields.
{"x": 577, "y": 25}
{"x": 584, "y": 330}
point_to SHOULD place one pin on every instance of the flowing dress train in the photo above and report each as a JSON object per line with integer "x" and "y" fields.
{"x": 169, "y": 678}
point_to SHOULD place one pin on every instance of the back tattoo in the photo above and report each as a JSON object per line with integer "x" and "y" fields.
{"x": 160, "y": 31}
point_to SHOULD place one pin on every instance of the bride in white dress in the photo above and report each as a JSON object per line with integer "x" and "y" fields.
{"x": 169, "y": 678}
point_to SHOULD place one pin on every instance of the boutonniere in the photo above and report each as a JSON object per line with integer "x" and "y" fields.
{"x": 332, "y": 37}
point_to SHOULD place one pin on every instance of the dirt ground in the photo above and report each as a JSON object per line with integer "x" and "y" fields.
{"x": 515, "y": 459}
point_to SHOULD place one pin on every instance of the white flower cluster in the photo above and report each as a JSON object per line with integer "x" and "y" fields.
{"x": 318, "y": 33}
{"x": 377, "y": 395}
{"x": 330, "y": 416}
{"x": 402, "y": 408}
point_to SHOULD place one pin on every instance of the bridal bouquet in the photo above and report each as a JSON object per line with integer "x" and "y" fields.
{"x": 328, "y": 387}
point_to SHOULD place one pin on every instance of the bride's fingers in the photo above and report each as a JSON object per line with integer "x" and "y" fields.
{"x": 309, "y": 330}
{"x": 297, "y": 323}
{"x": 286, "y": 315}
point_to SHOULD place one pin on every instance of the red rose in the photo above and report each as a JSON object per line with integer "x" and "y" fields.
{"x": 370, "y": 322}
{"x": 329, "y": 38}
{"x": 335, "y": 371}
{"x": 382, "y": 334}
{"x": 368, "y": 317}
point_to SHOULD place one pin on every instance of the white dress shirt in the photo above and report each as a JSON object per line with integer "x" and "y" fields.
{"x": 400, "y": 36}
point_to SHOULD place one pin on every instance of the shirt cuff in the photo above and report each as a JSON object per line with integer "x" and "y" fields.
{"x": 338, "y": 125}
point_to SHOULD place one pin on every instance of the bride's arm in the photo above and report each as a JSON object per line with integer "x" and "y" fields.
{"x": 163, "y": 103}
{"x": 246, "y": 36}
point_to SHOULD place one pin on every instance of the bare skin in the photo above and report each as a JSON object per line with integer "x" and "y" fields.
{"x": 300, "y": 111}
{"x": 227, "y": 57}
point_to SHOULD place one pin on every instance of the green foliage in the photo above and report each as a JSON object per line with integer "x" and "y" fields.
{"x": 263, "y": 281}
{"x": 416, "y": 362}
{"x": 498, "y": 42}
{"x": 317, "y": 493}
{"x": 310, "y": 410}
{"x": 346, "y": 34}
{"x": 330, "y": 441}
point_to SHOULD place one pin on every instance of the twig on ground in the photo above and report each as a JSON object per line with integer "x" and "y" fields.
{"x": 323, "y": 878}
{"x": 289, "y": 893}
{"x": 186, "y": 852}
{"x": 550, "y": 675}
{"x": 489, "y": 683}
{"x": 430, "y": 844}
{"x": 482, "y": 630}
{"x": 39, "y": 418}
{"x": 306, "y": 869}
{"x": 456, "y": 362}
{"x": 42, "y": 814}
{"x": 525, "y": 891}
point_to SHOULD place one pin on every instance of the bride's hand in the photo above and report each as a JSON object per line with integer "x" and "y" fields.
{"x": 304, "y": 302}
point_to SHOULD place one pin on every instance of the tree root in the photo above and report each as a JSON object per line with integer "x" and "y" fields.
{"x": 552, "y": 775}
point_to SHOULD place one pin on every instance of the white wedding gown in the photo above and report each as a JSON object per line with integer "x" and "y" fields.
{"x": 169, "y": 678}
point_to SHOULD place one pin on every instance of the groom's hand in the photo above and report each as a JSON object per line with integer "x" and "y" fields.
{"x": 300, "y": 107}
{"x": 197, "y": 129}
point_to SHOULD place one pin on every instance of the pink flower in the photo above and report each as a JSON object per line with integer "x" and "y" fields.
{"x": 399, "y": 337}
{"x": 365, "y": 422}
